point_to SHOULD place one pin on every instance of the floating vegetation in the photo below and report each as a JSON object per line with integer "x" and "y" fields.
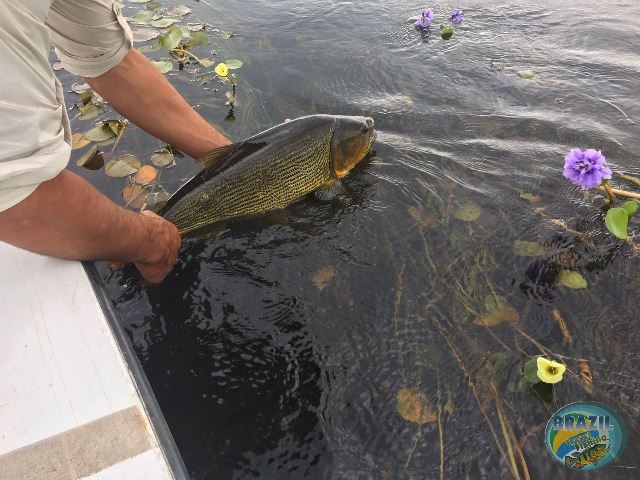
{"x": 323, "y": 276}
{"x": 567, "y": 278}
{"x": 413, "y": 405}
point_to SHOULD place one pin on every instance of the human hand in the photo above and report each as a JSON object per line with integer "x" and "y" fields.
{"x": 161, "y": 251}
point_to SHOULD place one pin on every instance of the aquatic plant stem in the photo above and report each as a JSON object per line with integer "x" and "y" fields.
{"x": 125, "y": 124}
{"x": 615, "y": 191}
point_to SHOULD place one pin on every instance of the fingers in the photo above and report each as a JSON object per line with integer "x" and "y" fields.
{"x": 164, "y": 245}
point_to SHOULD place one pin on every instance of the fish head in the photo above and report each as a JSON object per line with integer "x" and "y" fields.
{"x": 352, "y": 140}
{"x": 600, "y": 450}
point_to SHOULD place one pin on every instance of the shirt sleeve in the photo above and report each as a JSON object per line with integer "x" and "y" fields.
{"x": 90, "y": 36}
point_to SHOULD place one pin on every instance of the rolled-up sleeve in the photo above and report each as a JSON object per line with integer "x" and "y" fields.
{"x": 90, "y": 36}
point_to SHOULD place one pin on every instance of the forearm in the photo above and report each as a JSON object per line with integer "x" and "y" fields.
{"x": 67, "y": 217}
{"x": 139, "y": 92}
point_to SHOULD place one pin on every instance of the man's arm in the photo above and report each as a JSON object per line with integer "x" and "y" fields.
{"x": 139, "y": 92}
{"x": 67, "y": 217}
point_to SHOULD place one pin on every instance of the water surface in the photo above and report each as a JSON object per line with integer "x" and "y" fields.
{"x": 263, "y": 372}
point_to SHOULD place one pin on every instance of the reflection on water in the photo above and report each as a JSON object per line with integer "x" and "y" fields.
{"x": 262, "y": 373}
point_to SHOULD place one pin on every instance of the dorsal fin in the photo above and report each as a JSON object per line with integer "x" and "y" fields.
{"x": 222, "y": 158}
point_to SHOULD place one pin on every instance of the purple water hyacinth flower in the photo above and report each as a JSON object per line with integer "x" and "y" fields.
{"x": 456, "y": 16}
{"x": 425, "y": 20}
{"x": 585, "y": 169}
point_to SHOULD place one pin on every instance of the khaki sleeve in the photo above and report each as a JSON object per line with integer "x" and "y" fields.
{"x": 90, "y": 36}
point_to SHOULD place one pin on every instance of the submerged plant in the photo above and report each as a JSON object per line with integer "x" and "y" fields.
{"x": 586, "y": 169}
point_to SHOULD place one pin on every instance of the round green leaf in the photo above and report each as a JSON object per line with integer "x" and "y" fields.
{"x": 162, "y": 158}
{"x": 178, "y": 10}
{"x": 99, "y": 133}
{"x": 88, "y": 112}
{"x": 163, "y": 66}
{"x": 152, "y": 5}
{"x": 195, "y": 27}
{"x": 446, "y": 33}
{"x": 91, "y": 160}
{"x": 80, "y": 87}
{"x": 524, "y": 248}
{"x": 198, "y": 39}
{"x": 233, "y": 64}
{"x": 144, "y": 34}
{"x": 149, "y": 48}
{"x": 171, "y": 39}
{"x": 468, "y": 211}
{"x": 616, "y": 221}
{"x": 631, "y": 207}
{"x": 122, "y": 166}
{"x": 163, "y": 22}
{"x": 567, "y": 278}
{"x": 530, "y": 371}
{"x": 206, "y": 62}
{"x": 526, "y": 74}
{"x": 141, "y": 17}
{"x": 157, "y": 199}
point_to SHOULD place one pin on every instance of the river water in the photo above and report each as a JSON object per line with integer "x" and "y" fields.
{"x": 278, "y": 348}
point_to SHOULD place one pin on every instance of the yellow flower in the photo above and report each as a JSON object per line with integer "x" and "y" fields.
{"x": 549, "y": 371}
{"x": 222, "y": 69}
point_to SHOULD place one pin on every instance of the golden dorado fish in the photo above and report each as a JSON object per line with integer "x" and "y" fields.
{"x": 270, "y": 170}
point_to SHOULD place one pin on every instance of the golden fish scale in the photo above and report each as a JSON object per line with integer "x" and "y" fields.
{"x": 273, "y": 177}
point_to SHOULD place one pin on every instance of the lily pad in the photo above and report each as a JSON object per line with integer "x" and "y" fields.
{"x": 446, "y": 33}
{"x": 198, "y": 39}
{"x": 178, "y": 10}
{"x": 233, "y": 64}
{"x": 141, "y": 17}
{"x": 134, "y": 195}
{"x": 414, "y": 406}
{"x": 534, "y": 199}
{"x": 144, "y": 34}
{"x": 122, "y": 166}
{"x": 138, "y": 1}
{"x": 156, "y": 199}
{"x": 468, "y": 211}
{"x": 631, "y": 207}
{"x": 527, "y": 74}
{"x": 525, "y": 248}
{"x": 568, "y": 278}
{"x": 78, "y": 140}
{"x": 80, "y": 87}
{"x": 163, "y": 66}
{"x": 152, "y": 5}
{"x": 196, "y": 26}
{"x": 91, "y": 160}
{"x": 323, "y": 276}
{"x": 206, "y": 62}
{"x": 171, "y": 39}
{"x": 146, "y": 174}
{"x": 149, "y": 48}
{"x": 498, "y": 316}
{"x": 163, "y": 22}
{"x": 616, "y": 221}
{"x": 226, "y": 35}
{"x": 99, "y": 133}
{"x": 162, "y": 158}
{"x": 89, "y": 112}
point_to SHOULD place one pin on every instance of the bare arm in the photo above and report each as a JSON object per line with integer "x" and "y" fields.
{"x": 67, "y": 217}
{"x": 139, "y": 92}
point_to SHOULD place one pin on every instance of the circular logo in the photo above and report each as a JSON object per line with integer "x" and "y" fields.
{"x": 586, "y": 435}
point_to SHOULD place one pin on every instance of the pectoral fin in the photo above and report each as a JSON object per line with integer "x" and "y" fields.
{"x": 329, "y": 192}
